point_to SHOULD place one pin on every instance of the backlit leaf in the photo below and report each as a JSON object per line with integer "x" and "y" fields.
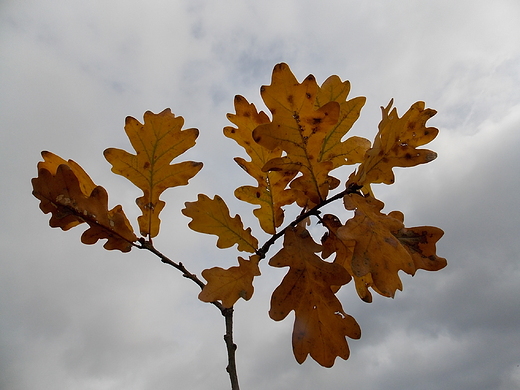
{"x": 51, "y": 162}
{"x": 156, "y": 142}
{"x": 344, "y": 250}
{"x": 420, "y": 242}
{"x": 72, "y": 201}
{"x": 309, "y": 123}
{"x": 299, "y": 129}
{"x": 353, "y": 149}
{"x": 228, "y": 285}
{"x": 396, "y": 144}
{"x": 211, "y": 216}
{"x": 270, "y": 193}
{"x": 320, "y": 325}
{"x": 377, "y": 250}
{"x": 383, "y": 246}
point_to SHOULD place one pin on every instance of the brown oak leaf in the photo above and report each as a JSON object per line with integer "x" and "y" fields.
{"x": 68, "y": 193}
{"x": 321, "y": 326}
{"x": 228, "y": 285}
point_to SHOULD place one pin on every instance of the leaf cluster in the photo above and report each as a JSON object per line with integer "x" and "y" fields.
{"x": 291, "y": 155}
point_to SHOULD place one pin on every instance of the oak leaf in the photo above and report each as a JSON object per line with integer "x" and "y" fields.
{"x": 271, "y": 192}
{"x": 320, "y": 325}
{"x": 420, "y": 242}
{"x": 69, "y": 194}
{"x": 156, "y": 142}
{"x": 309, "y": 123}
{"x": 396, "y": 145}
{"x": 211, "y": 216}
{"x": 344, "y": 252}
{"x": 353, "y": 149}
{"x": 228, "y": 285}
{"x": 377, "y": 250}
{"x": 51, "y": 162}
{"x": 384, "y": 246}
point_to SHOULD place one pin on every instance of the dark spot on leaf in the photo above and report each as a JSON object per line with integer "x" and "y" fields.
{"x": 146, "y": 165}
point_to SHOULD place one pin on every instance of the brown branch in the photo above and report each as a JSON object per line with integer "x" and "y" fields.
{"x": 147, "y": 244}
{"x": 351, "y": 189}
{"x": 231, "y": 349}
{"x": 226, "y": 312}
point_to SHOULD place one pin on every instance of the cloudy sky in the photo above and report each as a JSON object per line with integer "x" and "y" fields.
{"x": 79, "y": 317}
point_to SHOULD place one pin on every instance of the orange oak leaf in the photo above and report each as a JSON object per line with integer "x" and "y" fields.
{"x": 271, "y": 192}
{"x": 299, "y": 129}
{"x": 353, "y": 149}
{"x": 228, "y": 285}
{"x": 396, "y": 144}
{"x": 211, "y": 216}
{"x": 156, "y": 142}
{"x": 309, "y": 123}
{"x": 384, "y": 246}
{"x": 68, "y": 193}
{"x": 377, "y": 250}
{"x": 321, "y": 326}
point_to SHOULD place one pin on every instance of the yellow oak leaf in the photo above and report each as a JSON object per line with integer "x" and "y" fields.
{"x": 156, "y": 142}
{"x": 321, "y": 326}
{"x": 299, "y": 129}
{"x": 211, "y": 216}
{"x": 309, "y": 123}
{"x": 396, "y": 145}
{"x": 228, "y": 285}
{"x": 353, "y": 149}
{"x": 72, "y": 201}
{"x": 271, "y": 192}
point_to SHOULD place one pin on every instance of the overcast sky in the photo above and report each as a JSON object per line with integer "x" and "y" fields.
{"x": 80, "y": 317}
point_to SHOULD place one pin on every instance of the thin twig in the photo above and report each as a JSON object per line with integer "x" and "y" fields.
{"x": 231, "y": 349}
{"x": 352, "y": 188}
{"x": 149, "y": 246}
{"x": 226, "y": 312}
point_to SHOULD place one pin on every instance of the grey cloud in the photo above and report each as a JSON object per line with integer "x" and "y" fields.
{"x": 73, "y": 316}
